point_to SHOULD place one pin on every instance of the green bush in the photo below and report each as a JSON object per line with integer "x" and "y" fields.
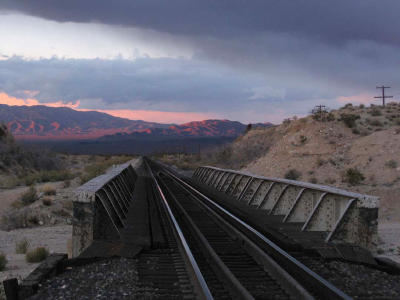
{"x": 49, "y": 190}
{"x": 3, "y": 261}
{"x": 29, "y": 196}
{"x": 376, "y": 112}
{"x": 376, "y": 123}
{"x": 349, "y": 119}
{"x": 293, "y": 174}
{"x": 354, "y": 176}
{"x": 47, "y": 201}
{"x": 37, "y": 255}
{"x": 46, "y": 176}
{"x": 22, "y": 246}
{"x": 391, "y": 164}
{"x": 96, "y": 169}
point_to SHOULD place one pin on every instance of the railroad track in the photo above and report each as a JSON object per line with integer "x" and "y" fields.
{"x": 227, "y": 258}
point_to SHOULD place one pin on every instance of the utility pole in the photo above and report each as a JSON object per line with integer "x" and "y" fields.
{"x": 383, "y": 97}
{"x": 321, "y": 110}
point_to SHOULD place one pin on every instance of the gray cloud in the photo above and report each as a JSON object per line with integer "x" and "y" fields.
{"x": 150, "y": 84}
{"x": 330, "y": 21}
{"x": 257, "y": 56}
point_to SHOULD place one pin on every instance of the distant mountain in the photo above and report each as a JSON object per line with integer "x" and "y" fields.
{"x": 62, "y": 123}
{"x": 43, "y": 122}
{"x": 197, "y": 129}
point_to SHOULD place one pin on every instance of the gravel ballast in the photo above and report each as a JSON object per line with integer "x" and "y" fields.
{"x": 108, "y": 279}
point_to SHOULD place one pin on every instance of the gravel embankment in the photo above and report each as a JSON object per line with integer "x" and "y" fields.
{"x": 359, "y": 281}
{"x": 109, "y": 279}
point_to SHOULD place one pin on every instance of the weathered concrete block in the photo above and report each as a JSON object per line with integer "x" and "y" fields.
{"x": 100, "y": 206}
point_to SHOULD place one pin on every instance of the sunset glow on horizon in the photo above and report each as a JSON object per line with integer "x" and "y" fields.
{"x": 144, "y": 115}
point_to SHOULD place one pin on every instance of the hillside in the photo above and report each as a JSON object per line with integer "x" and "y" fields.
{"x": 357, "y": 150}
{"x": 43, "y": 122}
{"x": 197, "y": 129}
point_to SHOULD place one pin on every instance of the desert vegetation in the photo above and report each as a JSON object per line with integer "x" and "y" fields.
{"x": 21, "y": 247}
{"x": 37, "y": 255}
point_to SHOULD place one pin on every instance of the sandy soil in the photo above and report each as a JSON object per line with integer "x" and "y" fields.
{"x": 8, "y": 196}
{"x": 389, "y": 234}
{"x": 54, "y": 238}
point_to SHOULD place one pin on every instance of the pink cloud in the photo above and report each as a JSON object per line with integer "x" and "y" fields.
{"x": 358, "y": 99}
{"x": 145, "y": 115}
{"x": 159, "y": 116}
{"x": 10, "y": 100}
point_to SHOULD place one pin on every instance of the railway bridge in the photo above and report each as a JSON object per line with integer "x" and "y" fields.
{"x": 220, "y": 234}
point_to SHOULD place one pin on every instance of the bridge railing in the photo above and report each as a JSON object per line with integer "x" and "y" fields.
{"x": 343, "y": 215}
{"x": 100, "y": 207}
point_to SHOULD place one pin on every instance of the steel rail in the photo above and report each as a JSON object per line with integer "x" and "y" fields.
{"x": 324, "y": 287}
{"x": 199, "y": 279}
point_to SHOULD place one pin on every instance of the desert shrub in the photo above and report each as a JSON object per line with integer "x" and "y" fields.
{"x": 22, "y": 246}
{"x": 67, "y": 183}
{"x": 320, "y": 162}
{"x": 46, "y": 176}
{"x": 303, "y": 139}
{"x": 96, "y": 169}
{"x": 3, "y": 261}
{"x": 353, "y": 176}
{"x": 47, "y": 201}
{"x": 48, "y": 190}
{"x": 37, "y": 255}
{"x": 293, "y": 174}
{"x": 348, "y": 105}
{"x": 313, "y": 180}
{"x": 356, "y": 131}
{"x": 14, "y": 219}
{"x": 330, "y": 180}
{"x": 376, "y": 123}
{"x": 349, "y": 119}
{"x": 17, "y": 204}
{"x": 376, "y": 112}
{"x": 33, "y": 219}
{"x": 391, "y": 164}
{"x": 29, "y": 196}
{"x": 68, "y": 205}
{"x": 397, "y": 121}
{"x": 286, "y": 121}
{"x": 330, "y": 117}
{"x": 362, "y": 106}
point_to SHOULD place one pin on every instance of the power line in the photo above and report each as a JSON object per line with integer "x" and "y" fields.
{"x": 383, "y": 97}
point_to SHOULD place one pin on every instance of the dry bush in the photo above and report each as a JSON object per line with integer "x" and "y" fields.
{"x": 349, "y": 119}
{"x": 47, "y": 176}
{"x": 376, "y": 123}
{"x": 22, "y": 246}
{"x": 47, "y": 201}
{"x": 48, "y": 190}
{"x": 96, "y": 169}
{"x": 353, "y": 176}
{"x": 391, "y": 164}
{"x": 14, "y": 219}
{"x": 29, "y": 196}
{"x": 376, "y": 112}
{"x": 292, "y": 174}
{"x": 37, "y": 255}
{"x": 19, "y": 218}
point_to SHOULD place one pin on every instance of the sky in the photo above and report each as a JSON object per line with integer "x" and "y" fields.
{"x": 184, "y": 60}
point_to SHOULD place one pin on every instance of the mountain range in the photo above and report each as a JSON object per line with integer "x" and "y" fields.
{"x": 62, "y": 123}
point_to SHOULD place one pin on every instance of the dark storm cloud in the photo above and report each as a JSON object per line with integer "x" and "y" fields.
{"x": 253, "y": 56}
{"x": 331, "y": 21}
{"x": 164, "y": 83}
